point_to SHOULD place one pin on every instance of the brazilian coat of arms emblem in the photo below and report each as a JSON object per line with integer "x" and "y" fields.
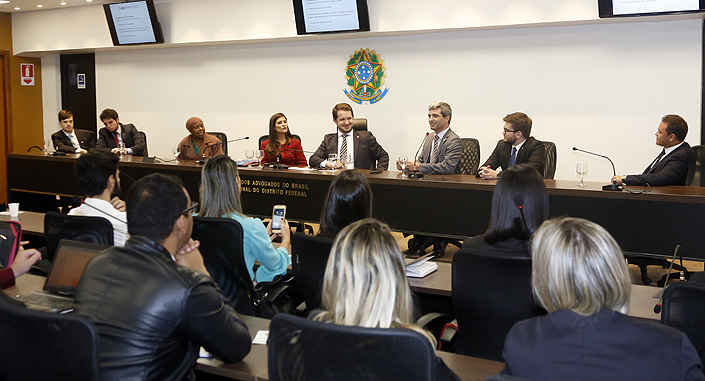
{"x": 365, "y": 74}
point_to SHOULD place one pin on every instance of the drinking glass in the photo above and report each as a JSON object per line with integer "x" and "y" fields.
{"x": 249, "y": 154}
{"x": 47, "y": 144}
{"x": 177, "y": 151}
{"x": 122, "y": 149}
{"x": 260, "y": 155}
{"x": 582, "y": 169}
{"x": 402, "y": 161}
{"x": 345, "y": 159}
{"x": 332, "y": 158}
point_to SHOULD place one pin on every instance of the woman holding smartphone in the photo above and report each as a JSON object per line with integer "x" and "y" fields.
{"x": 220, "y": 197}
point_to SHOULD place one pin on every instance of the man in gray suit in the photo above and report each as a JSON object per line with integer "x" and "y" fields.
{"x": 442, "y": 149}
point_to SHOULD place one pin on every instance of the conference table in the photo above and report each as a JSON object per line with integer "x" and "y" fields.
{"x": 455, "y": 206}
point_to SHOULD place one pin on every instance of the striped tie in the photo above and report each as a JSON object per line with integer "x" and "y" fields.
{"x": 344, "y": 146}
{"x": 434, "y": 155}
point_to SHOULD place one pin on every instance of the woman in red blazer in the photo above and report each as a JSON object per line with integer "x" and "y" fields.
{"x": 281, "y": 144}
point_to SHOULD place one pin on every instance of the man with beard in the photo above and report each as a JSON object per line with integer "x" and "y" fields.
{"x": 517, "y": 147}
{"x": 98, "y": 175}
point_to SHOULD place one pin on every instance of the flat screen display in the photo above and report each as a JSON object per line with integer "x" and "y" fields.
{"x": 133, "y": 22}
{"x": 626, "y": 8}
{"x": 331, "y": 16}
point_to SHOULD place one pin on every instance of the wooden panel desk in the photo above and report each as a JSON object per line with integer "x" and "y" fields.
{"x": 254, "y": 365}
{"x": 32, "y": 222}
{"x": 454, "y": 206}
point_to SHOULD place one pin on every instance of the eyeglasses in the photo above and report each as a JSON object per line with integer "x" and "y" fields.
{"x": 188, "y": 211}
{"x": 506, "y": 130}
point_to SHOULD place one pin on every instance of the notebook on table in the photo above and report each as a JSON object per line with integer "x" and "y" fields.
{"x": 70, "y": 261}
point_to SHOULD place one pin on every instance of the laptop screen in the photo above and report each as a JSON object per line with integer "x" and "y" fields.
{"x": 71, "y": 258}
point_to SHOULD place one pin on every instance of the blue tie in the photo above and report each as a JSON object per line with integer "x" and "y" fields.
{"x": 513, "y": 158}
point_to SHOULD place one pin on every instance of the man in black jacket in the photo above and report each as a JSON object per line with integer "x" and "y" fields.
{"x": 517, "y": 147}
{"x": 671, "y": 166}
{"x": 71, "y": 140}
{"x": 153, "y": 301}
{"x": 115, "y": 132}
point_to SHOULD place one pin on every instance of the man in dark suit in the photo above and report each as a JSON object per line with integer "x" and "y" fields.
{"x": 671, "y": 166}
{"x": 517, "y": 147}
{"x": 70, "y": 140}
{"x": 115, "y": 132}
{"x": 362, "y": 145}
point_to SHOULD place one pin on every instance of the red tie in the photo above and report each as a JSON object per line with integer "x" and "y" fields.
{"x": 117, "y": 141}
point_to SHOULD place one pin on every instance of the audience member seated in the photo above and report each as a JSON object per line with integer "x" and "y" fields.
{"x": 507, "y": 234}
{"x": 579, "y": 276}
{"x": 70, "y": 140}
{"x": 220, "y": 197}
{"x": 365, "y": 284}
{"x": 198, "y": 145}
{"x": 281, "y": 145}
{"x": 153, "y": 301}
{"x": 349, "y": 199}
{"x": 24, "y": 259}
{"x": 115, "y": 132}
{"x": 99, "y": 177}
{"x": 360, "y": 147}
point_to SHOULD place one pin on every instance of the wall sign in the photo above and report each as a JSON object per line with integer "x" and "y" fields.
{"x": 27, "y": 74}
{"x": 81, "y": 81}
{"x": 365, "y": 72}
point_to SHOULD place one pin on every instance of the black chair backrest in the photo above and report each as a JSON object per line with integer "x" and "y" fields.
{"x": 549, "y": 161}
{"x": 46, "y": 346}
{"x": 58, "y": 226}
{"x": 309, "y": 256}
{"x": 360, "y": 124}
{"x": 265, "y": 137}
{"x": 470, "y": 156}
{"x": 300, "y": 349}
{"x": 223, "y": 140}
{"x": 223, "y": 254}
{"x": 491, "y": 293}
{"x": 696, "y": 165}
{"x": 684, "y": 308}
{"x": 144, "y": 137}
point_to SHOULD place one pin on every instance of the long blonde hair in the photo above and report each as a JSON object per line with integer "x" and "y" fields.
{"x": 365, "y": 282}
{"x": 219, "y": 191}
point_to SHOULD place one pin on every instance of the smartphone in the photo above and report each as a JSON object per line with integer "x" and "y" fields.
{"x": 278, "y": 213}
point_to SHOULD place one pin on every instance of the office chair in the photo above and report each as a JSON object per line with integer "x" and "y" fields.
{"x": 683, "y": 308}
{"x": 470, "y": 156}
{"x": 223, "y": 140}
{"x": 696, "y": 166}
{"x": 490, "y": 294}
{"x": 359, "y": 124}
{"x": 266, "y": 137}
{"x": 58, "y": 226}
{"x": 549, "y": 161}
{"x": 144, "y": 137}
{"x": 309, "y": 256}
{"x": 46, "y": 346}
{"x": 301, "y": 349}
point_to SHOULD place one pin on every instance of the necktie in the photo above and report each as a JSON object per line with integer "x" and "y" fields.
{"x": 658, "y": 158}
{"x": 434, "y": 155}
{"x": 344, "y": 146}
{"x": 513, "y": 158}
{"x": 74, "y": 141}
{"x": 117, "y": 141}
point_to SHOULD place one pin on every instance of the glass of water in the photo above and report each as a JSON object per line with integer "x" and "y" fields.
{"x": 177, "y": 151}
{"x": 47, "y": 144}
{"x": 402, "y": 161}
{"x": 249, "y": 154}
{"x": 332, "y": 159}
{"x": 582, "y": 169}
{"x": 345, "y": 160}
{"x": 260, "y": 155}
{"x": 122, "y": 149}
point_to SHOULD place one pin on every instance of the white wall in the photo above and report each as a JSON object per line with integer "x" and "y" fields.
{"x": 601, "y": 87}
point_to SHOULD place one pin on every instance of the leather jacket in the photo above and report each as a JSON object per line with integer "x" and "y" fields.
{"x": 152, "y": 315}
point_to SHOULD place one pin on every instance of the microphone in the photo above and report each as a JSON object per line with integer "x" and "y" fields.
{"x": 284, "y": 166}
{"x": 519, "y": 202}
{"x": 657, "y": 307}
{"x": 610, "y": 187}
{"x": 415, "y": 173}
{"x": 203, "y": 156}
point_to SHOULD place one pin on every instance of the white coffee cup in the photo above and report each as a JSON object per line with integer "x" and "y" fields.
{"x": 14, "y": 209}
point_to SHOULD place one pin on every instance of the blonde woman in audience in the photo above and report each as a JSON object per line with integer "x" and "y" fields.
{"x": 365, "y": 284}
{"x": 579, "y": 276}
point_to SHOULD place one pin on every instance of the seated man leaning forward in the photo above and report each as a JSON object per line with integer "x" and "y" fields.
{"x": 361, "y": 147}
{"x": 99, "y": 177}
{"x": 70, "y": 140}
{"x": 441, "y": 151}
{"x": 153, "y": 301}
{"x": 517, "y": 147}
{"x": 671, "y": 166}
{"x": 115, "y": 133}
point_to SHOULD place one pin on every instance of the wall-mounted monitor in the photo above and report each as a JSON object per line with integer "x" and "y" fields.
{"x": 331, "y": 16}
{"x": 133, "y": 23}
{"x": 628, "y": 8}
